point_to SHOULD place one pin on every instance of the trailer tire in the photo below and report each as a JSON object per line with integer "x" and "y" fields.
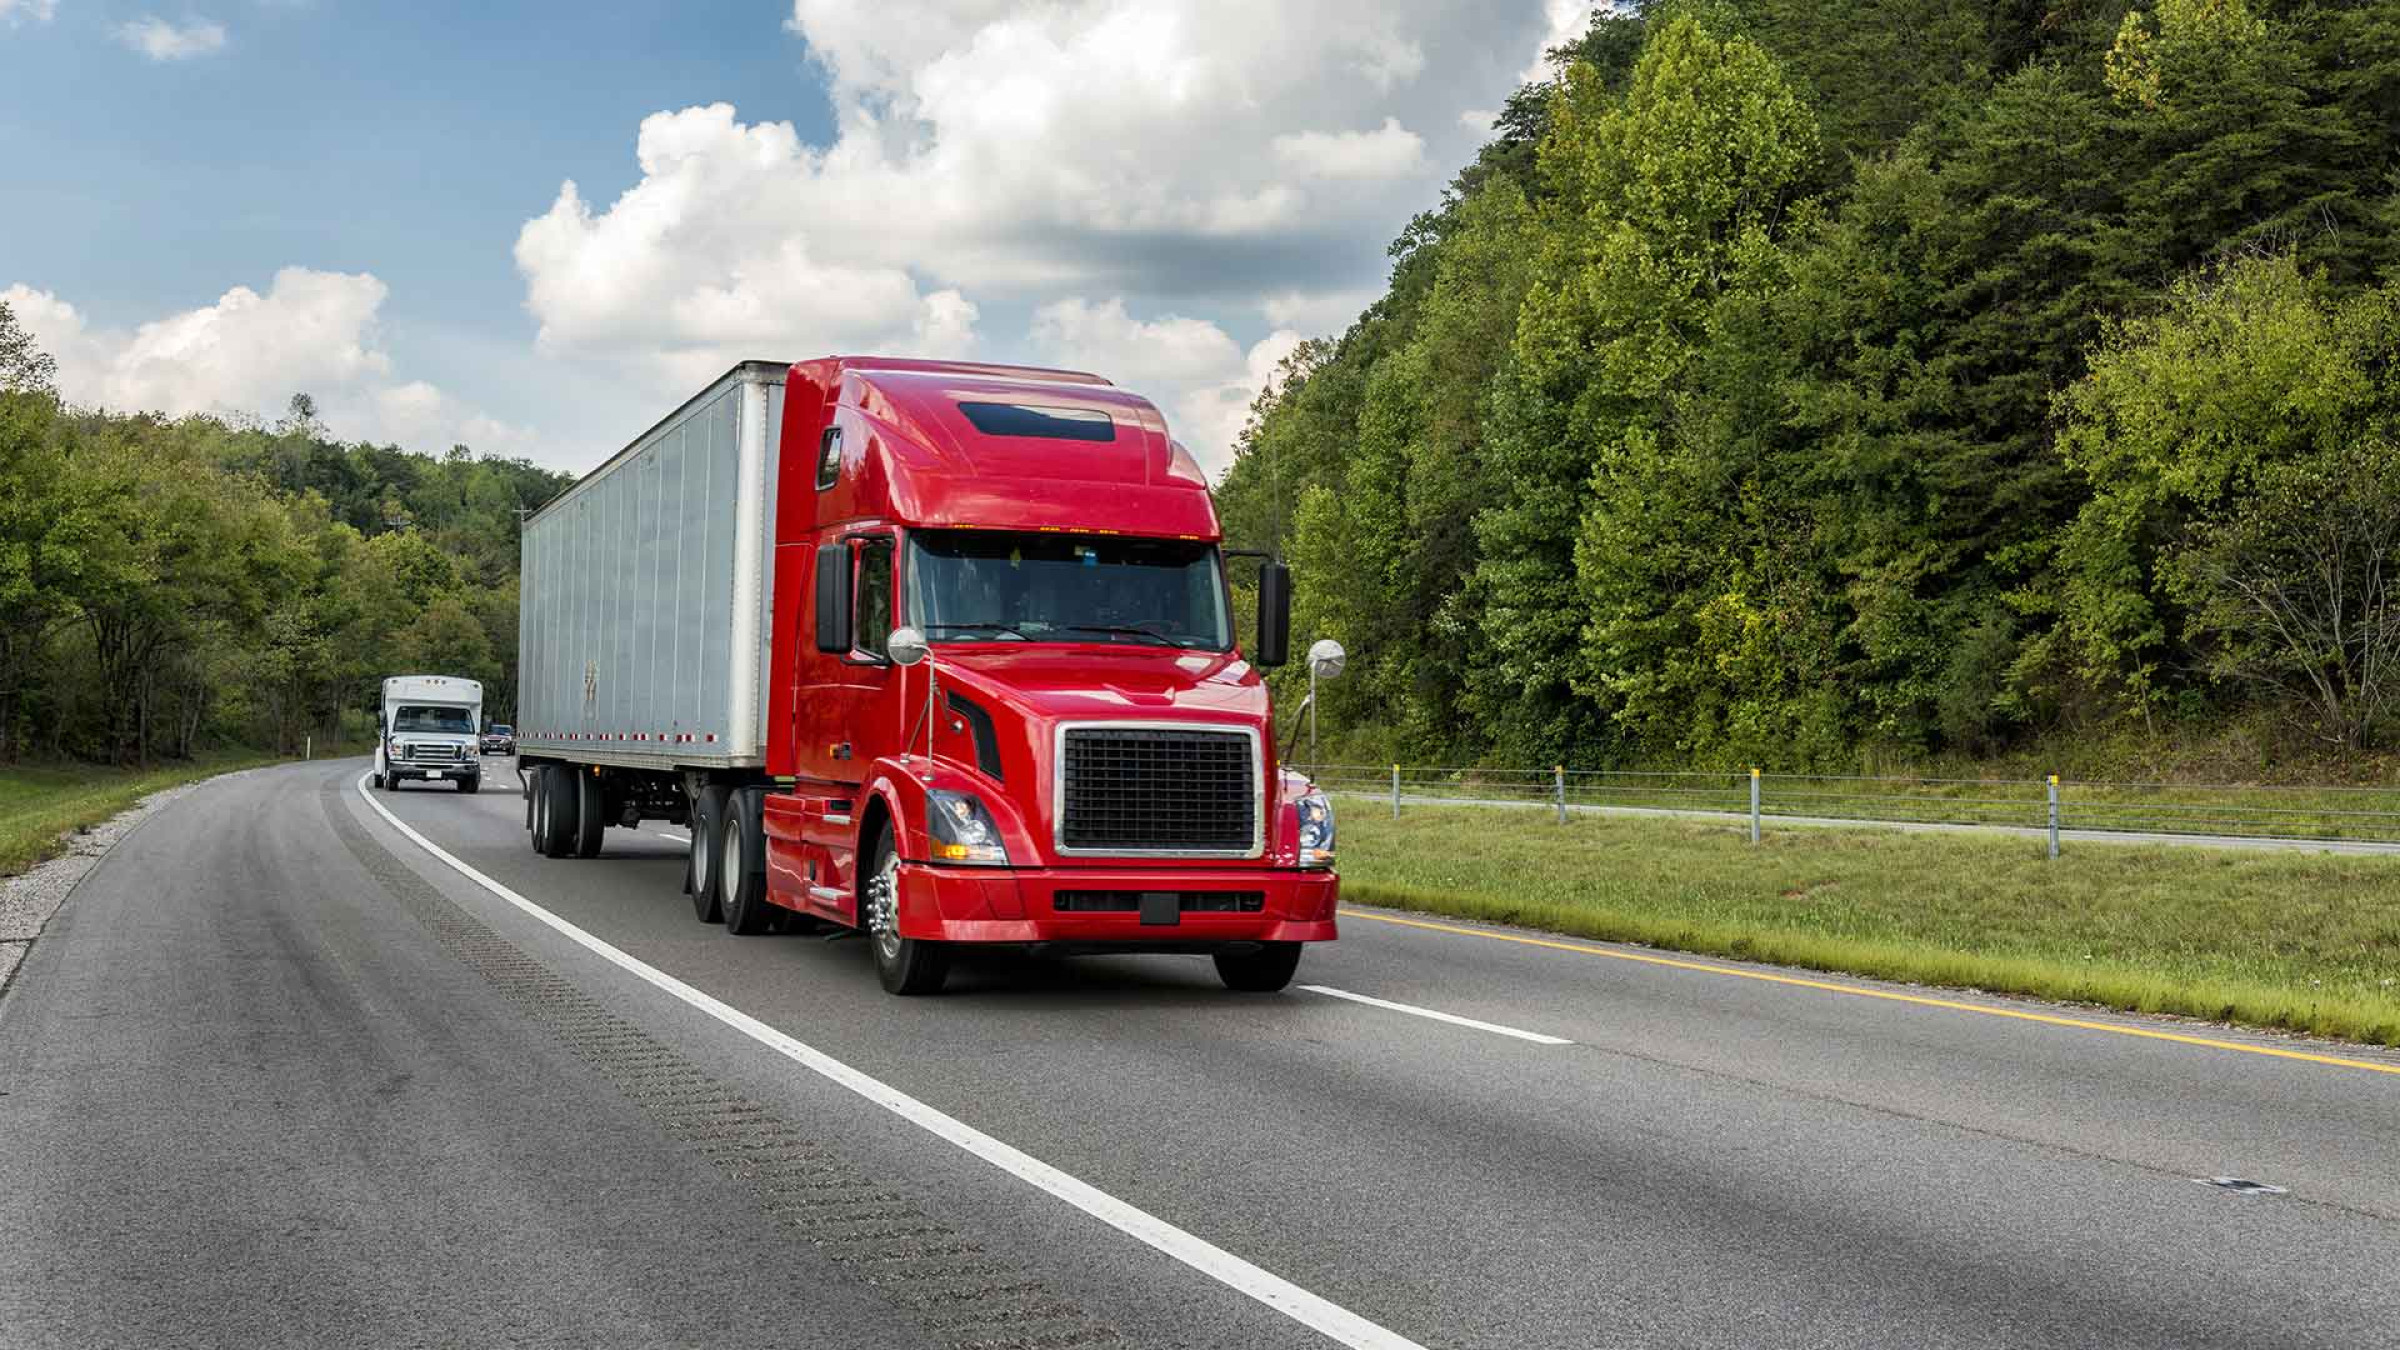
{"x": 534, "y": 800}
{"x": 555, "y": 815}
{"x": 742, "y": 867}
{"x": 905, "y": 965}
{"x": 1263, "y": 971}
{"x": 708, "y": 827}
{"x": 591, "y": 815}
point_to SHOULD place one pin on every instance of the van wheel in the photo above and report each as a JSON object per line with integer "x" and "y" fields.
{"x": 742, "y": 867}
{"x": 708, "y": 824}
{"x": 905, "y": 965}
{"x": 1260, "y": 972}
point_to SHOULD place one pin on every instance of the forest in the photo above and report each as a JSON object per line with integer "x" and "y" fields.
{"x": 169, "y": 587}
{"x": 1824, "y": 383}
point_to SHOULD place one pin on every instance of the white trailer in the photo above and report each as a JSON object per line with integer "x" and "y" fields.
{"x": 648, "y": 594}
{"x": 429, "y": 728}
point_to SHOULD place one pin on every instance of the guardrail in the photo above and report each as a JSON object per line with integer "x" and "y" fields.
{"x": 2054, "y": 806}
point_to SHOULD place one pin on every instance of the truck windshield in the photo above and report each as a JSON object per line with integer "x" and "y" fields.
{"x": 987, "y": 586}
{"x": 434, "y": 719}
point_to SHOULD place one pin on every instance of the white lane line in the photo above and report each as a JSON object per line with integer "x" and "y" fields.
{"x": 1452, "y": 1018}
{"x": 1310, "y": 1310}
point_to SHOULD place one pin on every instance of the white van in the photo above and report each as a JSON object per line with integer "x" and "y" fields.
{"x": 430, "y": 726}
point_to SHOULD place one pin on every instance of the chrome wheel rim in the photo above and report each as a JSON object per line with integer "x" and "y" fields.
{"x": 701, "y": 862}
{"x": 883, "y": 909}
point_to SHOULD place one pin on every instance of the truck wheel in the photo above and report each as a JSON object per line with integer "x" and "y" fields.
{"x": 905, "y": 965}
{"x": 591, "y": 815}
{"x": 742, "y": 867}
{"x": 708, "y": 826}
{"x": 1260, "y": 972}
{"x": 471, "y": 783}
{"x": 556, "y": 811}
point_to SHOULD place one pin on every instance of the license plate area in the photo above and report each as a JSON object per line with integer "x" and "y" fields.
{"x": 1161, "y": 909}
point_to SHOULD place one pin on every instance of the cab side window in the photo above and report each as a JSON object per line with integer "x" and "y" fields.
{"x": 872, "y": 626}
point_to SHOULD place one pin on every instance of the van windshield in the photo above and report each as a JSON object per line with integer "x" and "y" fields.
{"x": 990, "y": 586}
{"x": 434, "y": 719}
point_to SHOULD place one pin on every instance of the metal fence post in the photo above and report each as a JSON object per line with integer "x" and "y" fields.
{"x": 2054, "y": 815}
{"x": 1558, "y": 776}
{"x": 1395, "y": 792}
{"x": 1754, "y": 805}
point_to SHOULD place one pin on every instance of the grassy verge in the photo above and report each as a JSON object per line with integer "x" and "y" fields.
{"x": 2300, "y": 942}
{"x": 37, "y": 805}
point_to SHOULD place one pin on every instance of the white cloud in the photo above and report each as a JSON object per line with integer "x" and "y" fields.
{"x": 14, "y": 12}
{"x": 160, "y": 40}
{"x": 1390, "y": 151}
{"x": 1566, "y": 21}
{"x": 1002, "y": 153}
{"x": 246, "y": 354}
{"x": 1195, "y": 371}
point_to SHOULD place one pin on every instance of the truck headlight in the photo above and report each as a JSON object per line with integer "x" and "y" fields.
{"x": 962, "y": 830}
{"x": 1316, "y": 829}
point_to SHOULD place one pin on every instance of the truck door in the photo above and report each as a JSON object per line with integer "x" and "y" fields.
{"x": 846, "y": 707}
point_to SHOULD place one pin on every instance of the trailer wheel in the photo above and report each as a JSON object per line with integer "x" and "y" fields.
{"x": 591, "y": 815}
{"x": 556, "y": 812}
{"x": 742, "y": 867}
{"x": 1260, "y": 972}
{"x": 905, "y": 965}
{"x": 537, "y": 805}
{"x": 708, "y": 827}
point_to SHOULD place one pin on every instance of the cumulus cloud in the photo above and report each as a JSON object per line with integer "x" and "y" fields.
{"x": 1387, "y": 152}
{"x": 1218, "y": 157}
{"x": 246, "y": 354}
{"x": 160, "y": 40}
{"x": 14, "y": 12}
{"x": 1196, "y": 371}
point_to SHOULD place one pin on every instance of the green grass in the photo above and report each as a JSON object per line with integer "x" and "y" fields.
{"x": 38, "y": 805}
{"x": 2301, "y": 942}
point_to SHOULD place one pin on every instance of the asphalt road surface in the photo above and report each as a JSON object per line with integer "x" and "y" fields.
{"x": 279, "y": 1075}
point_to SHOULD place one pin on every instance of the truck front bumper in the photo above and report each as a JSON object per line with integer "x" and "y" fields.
{"x": 1128, "y": 909}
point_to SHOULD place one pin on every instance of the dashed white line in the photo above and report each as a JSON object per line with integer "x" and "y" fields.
{"x": 1310, "y": 1310}
{"x": 1452, "y": 1018}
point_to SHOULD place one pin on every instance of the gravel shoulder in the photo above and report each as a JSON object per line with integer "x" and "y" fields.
{"x": 28, "y": 899}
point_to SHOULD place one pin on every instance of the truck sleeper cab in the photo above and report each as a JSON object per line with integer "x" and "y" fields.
{"x": 981, "y": 630}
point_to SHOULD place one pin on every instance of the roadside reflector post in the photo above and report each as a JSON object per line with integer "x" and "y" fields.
{"x": 308, "y": 747}
{"x": 1754, "y": 804}
{"x": 1558, "y": 778}
{"x": 2054, "y": 815}
{"x": 1395, "y": 792}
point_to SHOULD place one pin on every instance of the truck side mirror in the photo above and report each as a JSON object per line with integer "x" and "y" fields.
{"x": 1274, "y": 613}
{"x": 833, "y": 598}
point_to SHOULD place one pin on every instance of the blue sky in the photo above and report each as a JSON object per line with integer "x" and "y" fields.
{"x": 1167, "y": 191}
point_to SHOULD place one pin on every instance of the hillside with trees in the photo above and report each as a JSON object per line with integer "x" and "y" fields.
{"x": 174, "y": 586}
{"x": 1813, "y": 383}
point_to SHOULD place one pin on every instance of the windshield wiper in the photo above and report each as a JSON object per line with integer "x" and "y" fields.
{"x": 996, "y": 625}
{"x": 1159, "y": 638}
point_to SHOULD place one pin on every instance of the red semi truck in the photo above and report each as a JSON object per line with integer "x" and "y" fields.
{"x": 939, "y": 651}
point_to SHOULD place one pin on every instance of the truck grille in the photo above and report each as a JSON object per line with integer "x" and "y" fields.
{"x": 1136, "y": 789}
{"x": 1188, "y": 902}
{"x": 429, "y": 754}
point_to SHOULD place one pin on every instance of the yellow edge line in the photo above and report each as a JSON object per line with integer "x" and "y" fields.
{"x": 1919, "y": 999}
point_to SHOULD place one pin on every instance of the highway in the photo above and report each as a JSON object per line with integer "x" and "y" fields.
{"x": 280, "y": 1074}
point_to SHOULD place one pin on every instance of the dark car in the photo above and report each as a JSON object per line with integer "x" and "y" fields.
{"x": 500, "y": 740}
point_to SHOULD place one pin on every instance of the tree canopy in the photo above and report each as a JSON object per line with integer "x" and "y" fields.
{"x": 1790, "y": 380}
